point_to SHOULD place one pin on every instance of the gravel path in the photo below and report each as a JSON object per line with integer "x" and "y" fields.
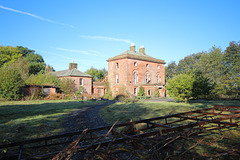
{"x": 86, "y": 117}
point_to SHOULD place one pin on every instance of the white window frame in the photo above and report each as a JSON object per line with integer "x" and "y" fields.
{"x": 158, "y": 79}
{"x": 147, "y": 78}
{"x": 135, "y": 91}
{"x": 135, "y": 77}
{"x": 117, "y": 79}
{"x": 81, "y": 81}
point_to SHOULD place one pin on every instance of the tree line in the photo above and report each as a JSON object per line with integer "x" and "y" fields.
{"x": 210, "y": 74}
{"x": 20, "y": 66}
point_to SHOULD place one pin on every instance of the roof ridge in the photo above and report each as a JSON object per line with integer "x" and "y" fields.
{"x": 136, "y": 55}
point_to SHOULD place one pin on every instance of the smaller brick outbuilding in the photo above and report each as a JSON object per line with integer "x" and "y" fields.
{"x": 79, "y": 78}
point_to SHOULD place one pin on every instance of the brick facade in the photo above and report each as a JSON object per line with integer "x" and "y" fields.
{"x": 79, "y": 78}
{"x": 99, "y": 88}
{"x": 130, "y": 70}
{"x": 86, "y": 83}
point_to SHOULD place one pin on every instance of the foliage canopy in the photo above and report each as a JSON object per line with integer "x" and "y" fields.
{"x": 221, "y": 68}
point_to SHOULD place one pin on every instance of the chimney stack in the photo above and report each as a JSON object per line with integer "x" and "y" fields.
{"x": 142, "y": 49}
{"x": 132, "y": 47}
{"x": 72, "y": 65}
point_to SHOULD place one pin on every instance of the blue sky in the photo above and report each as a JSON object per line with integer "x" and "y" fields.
{"x": 89, "y": 32}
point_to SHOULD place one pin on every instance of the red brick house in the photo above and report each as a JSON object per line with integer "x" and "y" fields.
{"x": 130, "y": 70}
{"x": 79, "y": 78}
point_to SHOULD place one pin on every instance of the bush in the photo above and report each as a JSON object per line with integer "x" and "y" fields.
{"x": 67, "y": 85}
{"x": 11, "y": 83}
{"x": 189, "y": 86}
{"x": 126, "y": 98}
{"x": 156, "y": 94}
{"x": 141, "y": 91}
{"x": 108, "y": 94}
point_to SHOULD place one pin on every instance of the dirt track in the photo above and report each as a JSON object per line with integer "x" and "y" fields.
{"x": 87, "y": 117}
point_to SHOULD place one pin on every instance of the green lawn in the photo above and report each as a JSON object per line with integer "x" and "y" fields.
{"x": 213, "y": 144}
{"x": 21, "y": 120}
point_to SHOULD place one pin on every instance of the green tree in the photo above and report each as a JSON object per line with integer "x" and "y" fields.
{"x": 24, "y": 51}
{"x": 36, "y": 63}
{"x": 97, "y": 74}
{"x": 231, "y": 77}
{"x": 11, "y": 82}
{"x": 202, "y": 88}
{"x": 211, "y": 66}
{"x": 171, "y": 70}
{"x": 43, "y": 79}
{"x": 100, "y": 74}
{"x": 9, "y": 54}
{"x": 188, "y": 64}
{"x": 93, "y": 72}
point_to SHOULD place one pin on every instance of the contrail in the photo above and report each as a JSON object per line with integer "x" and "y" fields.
{"x": 82, "y": 60}
{"x": 76, "y": 51}
{"x": 106, "y": 38}
{"x": 35, "y": 16}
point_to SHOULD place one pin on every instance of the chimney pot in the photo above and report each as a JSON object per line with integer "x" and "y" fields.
{"x": 132, "y": 47}
{"x": 72, "y": 66}
{"x": 142, "y": 49}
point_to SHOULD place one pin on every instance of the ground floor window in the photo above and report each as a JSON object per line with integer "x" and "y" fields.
{"x": 81, "y": 82}
{"x": 117, "y": 79}
{"x": 135, "y": 91}
{"x": 149, "y": 92}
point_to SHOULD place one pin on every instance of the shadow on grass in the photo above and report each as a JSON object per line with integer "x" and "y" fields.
{"x": 218, "y": 145}
{"x": 24, "y": 121}
{"x": 143, "y": 110}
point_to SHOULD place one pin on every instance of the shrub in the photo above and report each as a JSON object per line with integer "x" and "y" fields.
{"x": 189, "y": 86}
{"x": 67, "y": 85}
{"x": 108, "y": 93}
{"x": 141, "y": 91}
{"x": 11, "y": 83}
{"x": 156, "y": 94}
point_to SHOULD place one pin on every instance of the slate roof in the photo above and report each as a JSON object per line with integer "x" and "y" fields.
{"x": 137, "y": 56}
{"x": 74, "y": 72}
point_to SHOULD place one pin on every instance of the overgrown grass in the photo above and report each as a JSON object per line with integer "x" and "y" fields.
{"x": 31, "y": 119}
{"x": 220, "y": 141}
{"x": 143, "y": 110}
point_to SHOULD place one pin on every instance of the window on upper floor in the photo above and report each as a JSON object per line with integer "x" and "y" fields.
{"x": 158, "y": 67}
{"x": 135, "y": 78}
{"x": 117, "y": 66}
{"x": 117, "y": 80}
{"x": 135, "y": 64}
{"x": 147, "y": 78}
{"x": 147, "y": 65}
{"x": 158, "y": 79}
